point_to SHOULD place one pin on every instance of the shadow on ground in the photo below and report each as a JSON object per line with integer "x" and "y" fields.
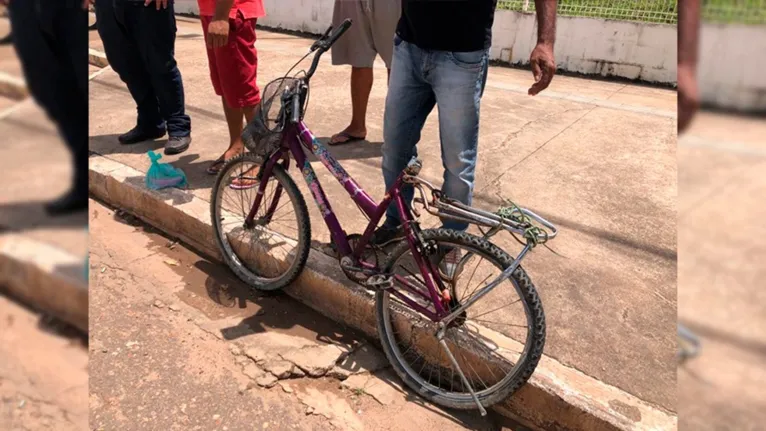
{"x": 20, "y": 216}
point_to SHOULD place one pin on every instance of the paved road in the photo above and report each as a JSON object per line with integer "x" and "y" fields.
{"x": 43, "y": 372}
{"x": 178, "y": 344}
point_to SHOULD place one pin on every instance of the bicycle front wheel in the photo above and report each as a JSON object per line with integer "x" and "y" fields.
{"x": 269, "y": 253}
{"x": 496, "y": 342}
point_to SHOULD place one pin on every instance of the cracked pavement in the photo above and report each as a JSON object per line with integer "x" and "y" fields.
{"x": 177, "y": 343}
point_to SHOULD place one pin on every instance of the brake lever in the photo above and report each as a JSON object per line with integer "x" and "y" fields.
{"x": 318, "y": 43}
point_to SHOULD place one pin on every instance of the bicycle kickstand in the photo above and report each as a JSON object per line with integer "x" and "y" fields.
{"x": 467, "y": 384}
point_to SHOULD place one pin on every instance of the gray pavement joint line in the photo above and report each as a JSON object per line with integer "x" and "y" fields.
{"x": 694, "y": 141}
{"x": 617, "y": 91}
{"x": 516, "y": 133}
{"x": 497, "y": 180}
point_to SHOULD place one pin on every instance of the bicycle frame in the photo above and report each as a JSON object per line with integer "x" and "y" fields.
{"x": 297, "y": 137}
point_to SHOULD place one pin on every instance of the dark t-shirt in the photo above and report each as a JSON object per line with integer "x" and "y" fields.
{"x": 447, "y": 25}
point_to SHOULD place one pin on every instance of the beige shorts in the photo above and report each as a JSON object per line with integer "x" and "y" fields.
{"x": 372, "y": 32}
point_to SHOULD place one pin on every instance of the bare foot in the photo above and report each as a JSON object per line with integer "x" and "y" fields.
{"x": 348, "y": 136}
{"x": 246, "y": 180}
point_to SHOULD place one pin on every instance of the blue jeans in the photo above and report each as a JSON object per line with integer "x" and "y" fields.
{"x": 139, "y": 42}
{"x": 420, "y": 80}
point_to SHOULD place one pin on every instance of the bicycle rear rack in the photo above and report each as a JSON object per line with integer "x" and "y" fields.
{"x": 520, "y": 222}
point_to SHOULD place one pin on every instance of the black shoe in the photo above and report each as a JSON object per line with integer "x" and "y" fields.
{"x": 177, "y": 144}
{"x": 138, "y": 134}
{"x": 385, "y": 235}
{"x": 72, "y": 202}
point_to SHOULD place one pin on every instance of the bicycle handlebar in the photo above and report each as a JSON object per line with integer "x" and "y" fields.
{"x": 325, "y": 42}
{"x": 345, "y": 25}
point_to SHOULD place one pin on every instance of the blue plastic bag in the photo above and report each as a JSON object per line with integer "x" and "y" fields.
{"x": 163, "y": 175}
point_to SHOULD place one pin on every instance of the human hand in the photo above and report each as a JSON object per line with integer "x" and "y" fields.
{"x": 688, "y": 96}
{"x": 85, "y": 3}
{"x": 160, "y": 4}
{"x": 543, "y": 67}
{"x": 218, "y": 33}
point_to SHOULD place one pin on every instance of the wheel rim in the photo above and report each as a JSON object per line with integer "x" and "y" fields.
{"x": 477, "y": 356}
{"x": 269, "y": 248}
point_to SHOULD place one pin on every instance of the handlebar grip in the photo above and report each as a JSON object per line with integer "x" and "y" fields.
{"x": 296, "y": 108}
{"x": 339, "y": 31}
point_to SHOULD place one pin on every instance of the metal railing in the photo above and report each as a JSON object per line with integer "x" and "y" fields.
{"x": 655, "y": 11}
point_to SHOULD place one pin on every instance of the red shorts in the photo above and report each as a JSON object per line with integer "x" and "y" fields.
{"x": 233, "y": 68}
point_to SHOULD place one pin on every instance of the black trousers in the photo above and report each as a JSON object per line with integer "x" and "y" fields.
{"x": 140, "y": 45}
{"x": 51, "y": 40}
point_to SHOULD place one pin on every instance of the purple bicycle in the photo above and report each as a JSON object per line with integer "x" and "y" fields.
{"x": 436, "y": 290}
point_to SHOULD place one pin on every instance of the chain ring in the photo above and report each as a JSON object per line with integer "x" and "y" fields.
{"x": 370, "y": 254}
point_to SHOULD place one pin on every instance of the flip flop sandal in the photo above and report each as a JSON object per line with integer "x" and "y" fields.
{"x": 252, "y": 183}
{"x": 215, "y": 167}
{"x": 349, "y": 139}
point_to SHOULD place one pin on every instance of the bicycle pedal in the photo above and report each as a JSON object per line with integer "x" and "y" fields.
{"x": 380, "y": 282}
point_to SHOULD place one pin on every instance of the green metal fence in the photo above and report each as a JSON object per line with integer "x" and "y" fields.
{"x": 751, "y": 12}
{"x": 657, "y": 11}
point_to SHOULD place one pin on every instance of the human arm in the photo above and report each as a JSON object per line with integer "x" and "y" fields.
{"x": 689, "y": 14}
{"x": 541, "y": 60}
{"x": 218, "y": 30}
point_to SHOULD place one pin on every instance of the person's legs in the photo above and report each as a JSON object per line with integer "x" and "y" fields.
{"x": 51, "y": 44}
{"x": 409, "y": 101}
{"x": 155, "y": 33}
{"x": 361, "y": 86}
{"x": 458, "y": 82}
{"x": 355, "y": 48}
{"x": 71, "y": 32}
{"x": 123, "y": 55}
{"x": 233, "y": 72}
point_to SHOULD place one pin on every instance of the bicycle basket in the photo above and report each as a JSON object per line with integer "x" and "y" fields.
{"x": 263, "y": 134}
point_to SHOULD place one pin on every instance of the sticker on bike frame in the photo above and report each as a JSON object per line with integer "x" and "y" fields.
{"x": 329, "y": 161}
{"x": 313, "y": 183}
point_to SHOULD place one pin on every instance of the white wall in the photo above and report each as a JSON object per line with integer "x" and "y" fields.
{"x": 585, "y": 45}
{"x": 647, "y": 52}
{"x": 732, "y": 68}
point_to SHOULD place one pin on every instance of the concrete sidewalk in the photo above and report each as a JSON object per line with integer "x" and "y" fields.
{"x": 721, "y": 271}
{"x": 596, "y": 157}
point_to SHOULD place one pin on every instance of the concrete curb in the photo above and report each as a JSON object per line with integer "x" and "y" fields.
{"x": 41, "y": 275}
{"x": 97, "y": 58}
{"x": 557, "y": 397}
{"x": 13, "y": 87}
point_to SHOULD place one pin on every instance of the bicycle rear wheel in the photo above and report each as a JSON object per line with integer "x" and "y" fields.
{"x": 272, "y": 252}
{"x": 497, "y": 342}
